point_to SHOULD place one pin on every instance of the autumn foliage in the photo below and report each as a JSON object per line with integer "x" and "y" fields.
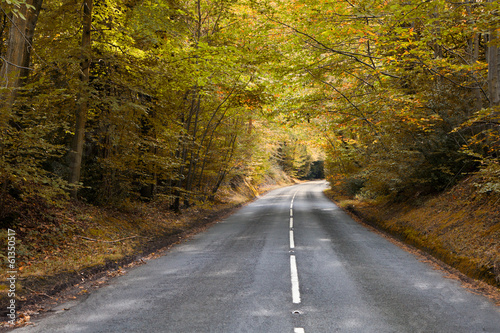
{"x": 126, "y": 100}
{"x": 404, "y": 94}
{"x": 174, "y": 104}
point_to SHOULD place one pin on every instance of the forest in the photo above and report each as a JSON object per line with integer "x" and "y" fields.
{"x": 106, "y": 101}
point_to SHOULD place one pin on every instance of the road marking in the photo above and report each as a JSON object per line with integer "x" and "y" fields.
{"x": 295, "y": 280}
{"x": 293, "y": 267}
{"x": 293, "y": 198}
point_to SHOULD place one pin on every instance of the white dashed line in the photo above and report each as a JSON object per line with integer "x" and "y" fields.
{"x": 298, "y": 330}
{"x": 295, "y": 280}
{"x": 293, "y": 267}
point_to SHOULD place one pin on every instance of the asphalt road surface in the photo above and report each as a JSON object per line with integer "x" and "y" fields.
{"x": 290, "y": 261}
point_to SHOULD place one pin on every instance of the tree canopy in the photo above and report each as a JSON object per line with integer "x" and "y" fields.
{"x": 113, "y": 100}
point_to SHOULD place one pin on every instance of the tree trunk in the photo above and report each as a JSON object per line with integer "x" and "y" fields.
{"x": 15, "y": 69}
{"x": 83, "y": 97}
{"x": 474, "y": 58}
{"x": 494, "y": 68}
{"x": 193, "y": 160}
{"x": 478, "y": 101}
{"x": 225, "y": 166}
{"x": 494, "y": 72}
{"x": 16, "y": 62}
{"x": 15, "y": 66}
{"x": 183, "y": 150}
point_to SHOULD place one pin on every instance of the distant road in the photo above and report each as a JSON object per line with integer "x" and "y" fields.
{"x": 289, "y": 262}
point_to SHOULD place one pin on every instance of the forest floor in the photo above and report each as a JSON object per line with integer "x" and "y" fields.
{"x": 64, "y": 253}
{"x": 460, "y": 228}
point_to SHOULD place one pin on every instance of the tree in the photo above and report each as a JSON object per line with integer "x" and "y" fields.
{"x": 387, "y": 76}
{"x": 494, "y": 62}
{"x": 170, "y": 100}
{"x": 15, "y": 69}
{"x": 82, "y": 104}
{"x": 16, "y": 61}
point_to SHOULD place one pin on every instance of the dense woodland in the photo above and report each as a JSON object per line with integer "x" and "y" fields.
{"x": 165, "y": 100}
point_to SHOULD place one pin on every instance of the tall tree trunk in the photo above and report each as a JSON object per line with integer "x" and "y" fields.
{"x": 225, "y": 167}
{"x": 494, "y": 67}
{"x": 494, "y": 72}
{"x": 83, "y": 97}
{"x": 193, "y": 161}
{"x": 182, "y": 150}
{"x": 209, "y": 145}
{"x": 15, "y": 69}
{"x": 16, "y": 62}
{"x": 478, "y": 101}
{"x": 474, "y": 58}
{"x": 15, "y": 66}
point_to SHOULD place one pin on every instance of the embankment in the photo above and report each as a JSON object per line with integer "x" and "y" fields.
{"x": 460, "y": 227}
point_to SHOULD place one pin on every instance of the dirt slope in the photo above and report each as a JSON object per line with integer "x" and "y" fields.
{"x": 460, "y": 227}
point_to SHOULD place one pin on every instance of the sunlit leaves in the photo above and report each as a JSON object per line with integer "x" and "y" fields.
{"x": 186, "y": 92}
{"x": 387, "y": 75}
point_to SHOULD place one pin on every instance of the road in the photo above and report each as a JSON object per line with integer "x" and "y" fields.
{"x": 290, "y": 261}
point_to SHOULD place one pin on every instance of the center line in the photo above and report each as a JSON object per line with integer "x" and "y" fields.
{"x": 292, "y": 242}
{"x": 291, "y": 222}
{"x": 298, "y": 330}
{"x": 295, "y": 280}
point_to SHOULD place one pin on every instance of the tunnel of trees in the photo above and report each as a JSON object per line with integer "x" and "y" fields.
{"x": 166, "y": 100}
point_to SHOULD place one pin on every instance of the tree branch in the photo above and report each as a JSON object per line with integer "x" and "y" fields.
{"x": 104, "y": 241}
{"x": 12, "y": 64}
{"x": 353, "y": 55}
{"x": 363, "y": 117}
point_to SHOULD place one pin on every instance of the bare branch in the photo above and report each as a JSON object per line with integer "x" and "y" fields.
{"x": 353, "y": 55}
{"x": 12, "y": 64}
{"x": 104, "y": 241}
